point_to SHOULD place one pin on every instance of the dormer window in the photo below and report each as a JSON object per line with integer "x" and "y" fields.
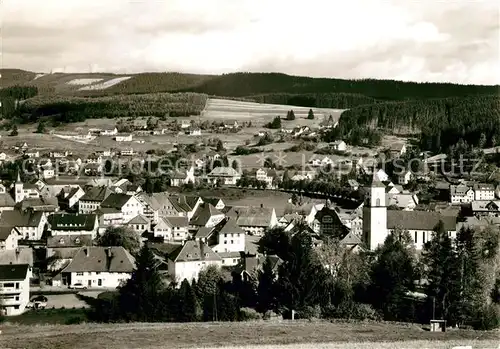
{"x": 206, "y": 254}
{"x": 61, "y": 241}
{"x": 77, "y": 240}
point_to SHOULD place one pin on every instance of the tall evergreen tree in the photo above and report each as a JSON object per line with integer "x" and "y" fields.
{"x": 189, "y": 309}
{"x": 310, "y": 114}
{"x": 141, "y": 296}
{"x": 266, "y": 287}
{"x": 393, "y": 275}
{"x": 442, "y": 271}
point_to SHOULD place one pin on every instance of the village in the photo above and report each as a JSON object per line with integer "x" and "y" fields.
{"x": 52, "y": 222}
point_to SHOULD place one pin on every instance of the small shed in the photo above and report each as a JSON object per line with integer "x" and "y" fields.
{"x": 438, "y": 325}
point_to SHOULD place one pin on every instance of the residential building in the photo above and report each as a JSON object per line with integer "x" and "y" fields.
{"x": 129, "y": 205}
{"x": 112, "y": 132}
{"x": 328, "y": 223}
{"x": 339, "y": 145}
{"x": 267, "y": 176}
{"x": 9, "y": 238}
{"x": 124, "y": 138}
{"x": 206, "y": 216}
{"x": 223, "y": 176}
{"x": 483, "y": 191}
{"x": 180, "y": 178}
{"x": 228, "y": 241}
{"x": 69, "y": 197}
{"x": 486, "y": 208}
{"x": 65, "y": 247}
{"x": 172, "y": 229}
{"x": 14, "y": 288}
{"x": 99, "y": 267}
{"x": 92, "y": 199}
{"x": 29, "y": 223}
{"x": 73, "y": 224}
{"x": 460, "y": 194}
{"x": 404, "y": 177}
{"x": 139, "y": 224}
{"x": 255, "y": 220}
{"x": 189, "y": 259}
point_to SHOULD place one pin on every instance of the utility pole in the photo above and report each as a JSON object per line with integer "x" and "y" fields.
{"x": 433, "y": 307}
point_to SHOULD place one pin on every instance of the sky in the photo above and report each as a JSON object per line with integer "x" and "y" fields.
{"x": 427, "y": 40}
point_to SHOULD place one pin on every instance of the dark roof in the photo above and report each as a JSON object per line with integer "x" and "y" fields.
{"x": 176, "y": 221}
{"x": 204, "y": 213}
{"x": 5, "y": 232}
{"x": 116, "y": 200}
{"x": 419, "y": 220}
{"x": 204, "y": 232}
{"x": 229, "y": 226}
{"x": 72, "y": 221}
{"x": 119, "y": 260}
{"x": 17, "y": 218}
{"x": 213, "y": 201}
{"x": 139, "y": 219}
{"x": 6, "y": 200}
{"x": 254, "y": 216}
{"x": 70, "y": 241}
{"x": 194, "y": 251}
{"x": 96, "y": 194}
{"x": 39, "y": 204}
{"x": 13, "y": 272}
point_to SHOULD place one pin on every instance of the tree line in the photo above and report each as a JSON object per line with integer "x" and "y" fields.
{"x": 73, "y": 109}
{"x": 440, "y": 122}
{"x": 326, "y": 280}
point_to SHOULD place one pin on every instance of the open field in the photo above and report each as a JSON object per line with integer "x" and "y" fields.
{"x": 251, "y": 335}
{"x": 259, "y": 113}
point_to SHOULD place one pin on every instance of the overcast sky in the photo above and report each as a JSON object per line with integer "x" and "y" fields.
{"x": 424, "y": 40}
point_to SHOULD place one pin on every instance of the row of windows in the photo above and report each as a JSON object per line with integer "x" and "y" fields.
{"x": 89, "y": 273}
{"x": 10, "y": 285}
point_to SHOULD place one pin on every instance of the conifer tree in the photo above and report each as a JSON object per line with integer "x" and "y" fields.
{"x": 266, "y": 290}
{"x": 310, "y": 115}
{"x": 189, "y": 309}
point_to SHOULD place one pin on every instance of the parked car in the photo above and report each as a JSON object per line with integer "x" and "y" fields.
{"x": 78, "y": 286}
{"x": 37, "y": 302}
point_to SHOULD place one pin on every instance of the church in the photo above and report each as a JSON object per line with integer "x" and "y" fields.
{"x": 378, "y": 221}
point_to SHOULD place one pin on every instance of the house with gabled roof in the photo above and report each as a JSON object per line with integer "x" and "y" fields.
{"x": 173, "y": 228}
{"x": 128, "y": 205}
{"x": 216, "y": 202}
{"x": 139, "y": 224}
{"x": 189, "y": 259}
{"x": 92, "y": 199}
{"x": 64, "y": 248}
{"x": 255, "y": 220}
{"x": 29, "y": 223}
{"x": 206, "y": 216}
{"x": 182, "y": 177}
{"x": 328, "y": 223}
{"x": 69, "y": 196}
{"x": 14, "y": 288}
{"x": 223, "y": 176}
{"x": 73, "y": 224}
{"x": 228, "y": 241}
{"x": 9, "y": 238}
{"x": 7, "y": 203}
{"x": 99, "y": 267}
{"x": 460, "y": 194}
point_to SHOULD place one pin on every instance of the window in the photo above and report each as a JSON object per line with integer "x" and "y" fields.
{"x": 416, "y": 237}
{"x": 377, "y": 202}
{"x": 8, "y": 284}
{"x": 79, "y": 274}
{"x": 17, "y": 285}
{"x": 327, "y": 219}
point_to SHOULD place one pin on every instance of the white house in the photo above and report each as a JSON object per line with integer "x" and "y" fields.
{"x": 460, "y": 194}
{"x": 404, "y": 177}
{"x": 112, "y": 132}
{"x": 484, "y": 191}
{"x": 255, "y": 220}
{"x": 224, "y": 176}
{"x": 206, "y": 216}
{"x": 189, "y": 259}
{"x": 179, "y": 178}
{"x": 99, "y": 267}
{"x": 124, "y": 138}
{"x": 339, "y": 145}
{"x": 229, "y": 242}
{"x": 73, "y": 224}
{"x": 266, "y": 176}
{"x": 195, "y": 132}
{"x": 9, "y": 238}
{"x": 14, "y": 288}
{"x": 128, "y": 205}
{"x": 29, "y": 223}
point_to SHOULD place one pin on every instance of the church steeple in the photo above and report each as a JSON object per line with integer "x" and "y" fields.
{"x": 18, "y": 188}
{"x": 18, "y": 177}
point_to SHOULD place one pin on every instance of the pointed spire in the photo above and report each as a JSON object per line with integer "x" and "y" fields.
{"x": 18, "y": 177}
{"x": 376, "y": 182}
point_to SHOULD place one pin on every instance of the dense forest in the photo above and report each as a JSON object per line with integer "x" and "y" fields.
{"x": 72, "y": 109}
{"x": 315, "y": 100}
{"x": 441, "y": 122}
{"x": 247, "y": 84}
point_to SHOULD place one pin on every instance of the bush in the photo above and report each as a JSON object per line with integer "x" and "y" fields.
{"x": 249, "y": 314}
{"x": 309, "y": 313}
{"x": 488, "y": 318}
{"x": 350, "y": 310}
{"x": 271, "y": 315}
{"x": 74, "y": 320}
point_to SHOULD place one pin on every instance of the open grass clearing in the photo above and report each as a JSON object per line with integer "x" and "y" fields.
{"x": 255, "y": 335}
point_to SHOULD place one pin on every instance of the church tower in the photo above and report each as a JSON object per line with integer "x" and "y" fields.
{"x": 18, "y": 189}
{"x": 375, "y": 215}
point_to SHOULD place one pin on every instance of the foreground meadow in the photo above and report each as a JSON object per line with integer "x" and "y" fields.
{"x": 251, "y": 335}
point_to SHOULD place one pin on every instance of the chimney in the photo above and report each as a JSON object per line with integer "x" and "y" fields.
{"x": 17, "y": 253}
{"x": 108, "y": 252}
{"x": 86, "y": 250}
{"x": 261, "y": 205}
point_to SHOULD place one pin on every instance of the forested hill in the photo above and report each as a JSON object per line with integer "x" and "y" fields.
{"x": 240, "y": 85}
{"x": 441, "y": 122}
